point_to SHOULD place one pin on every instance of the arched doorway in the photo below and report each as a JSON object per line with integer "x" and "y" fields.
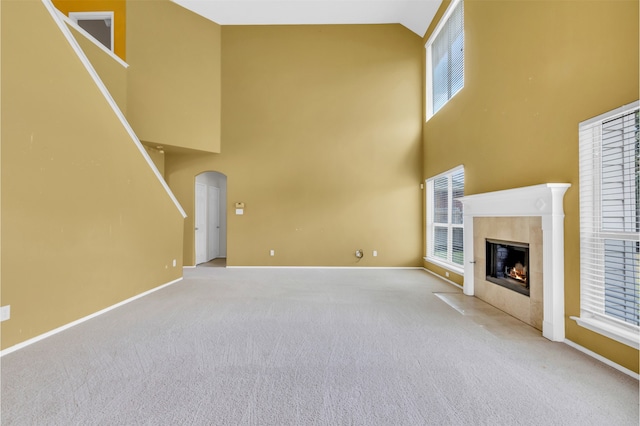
{"x": 210, "y": 217}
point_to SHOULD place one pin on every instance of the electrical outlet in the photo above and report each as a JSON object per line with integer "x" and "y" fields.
{"x": 174, "y": 263}
{"x": 272, "y": 252}
{"x": 375, "y": 253}
{"x": 446, "y": 274}
{"x": 5, "y": 313}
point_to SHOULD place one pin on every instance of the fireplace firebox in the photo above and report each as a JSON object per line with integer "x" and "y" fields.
{"x": 508, "y": 265}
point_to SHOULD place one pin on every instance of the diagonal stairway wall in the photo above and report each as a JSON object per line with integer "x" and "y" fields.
{"x": 86, "y": 220}
{"x": 110, "y": 68}
{"x": 174, "y": 93}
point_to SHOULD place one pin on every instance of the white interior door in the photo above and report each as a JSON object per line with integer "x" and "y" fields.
{"x": 201, "y": 223}
{"x": 213, "y": 222}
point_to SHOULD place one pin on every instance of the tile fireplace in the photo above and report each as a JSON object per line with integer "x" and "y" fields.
{"x": 531, "y": 216}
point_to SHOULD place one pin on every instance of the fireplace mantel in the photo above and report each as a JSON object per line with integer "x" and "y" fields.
{"x": 546, "y": 201}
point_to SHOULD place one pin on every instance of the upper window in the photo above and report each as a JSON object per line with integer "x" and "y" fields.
{"x": 610, "y": 224}
{"x": 445, "y": 58}
{"x": 445, "y": 227}
{"x": 98, "y": 24}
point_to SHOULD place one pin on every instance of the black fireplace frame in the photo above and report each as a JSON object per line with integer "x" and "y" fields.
{"x": 506, "y": 281}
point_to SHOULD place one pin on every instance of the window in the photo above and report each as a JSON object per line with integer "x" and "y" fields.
{"x": 98, "y": 24}
{"x": 610, "y": 224}
{"x": 445, "y": 58}
{"x": 445, "y": 228}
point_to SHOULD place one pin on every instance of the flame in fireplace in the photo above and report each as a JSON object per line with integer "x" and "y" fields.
{"x": 519, "y": 273}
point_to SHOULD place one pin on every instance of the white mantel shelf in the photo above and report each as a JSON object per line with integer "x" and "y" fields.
{"x": 546, "y": 201}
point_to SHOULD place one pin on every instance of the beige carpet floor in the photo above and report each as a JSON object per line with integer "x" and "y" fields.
{"x": 309, "y": 347}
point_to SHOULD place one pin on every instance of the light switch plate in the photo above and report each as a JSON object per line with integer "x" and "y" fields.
{"x": 5, "y": 313}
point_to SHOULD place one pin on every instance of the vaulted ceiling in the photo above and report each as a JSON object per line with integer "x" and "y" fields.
{"x": 416, "y": 15}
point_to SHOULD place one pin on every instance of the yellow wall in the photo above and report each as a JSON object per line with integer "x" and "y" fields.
{"x": 321, "y": 130}
{"x": 157, "y": 156}
{"x": 112, "y": 73}
{"x": 174, "y": 76}
{"x": 533, "y": 71}
{"x": 85, "y": 222}
{"x": 119, "y": 9}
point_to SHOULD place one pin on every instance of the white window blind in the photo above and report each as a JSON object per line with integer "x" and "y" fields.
{"x": 610, "y": 220}
{"x": 445, "y": 59}
{"x": 445, "y": 227}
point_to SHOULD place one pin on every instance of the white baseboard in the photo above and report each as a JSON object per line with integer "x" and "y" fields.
{"x": 81, "y": 320}
{"x": 188, "y": 266}
{"x": 603, "y": 359}
{"x": 324, "y": 267}
{"x": 444, "y": 279}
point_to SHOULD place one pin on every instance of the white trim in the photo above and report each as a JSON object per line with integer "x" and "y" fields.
{"x": 594, "y": 232}
{"x": 545, "y": 201}
{"x": 428, "y": 60}
{"x": 429, "y": 223}
{"x": 325, "y": 267}
{"x": 92, "y": 39}
{"x": 448, "y": 266}
{"x": 83, "y": 319}
{"x": 607, "y": 115}
{"x": 615, "y": 332}
{"x": 429, "y": 81}
{"x": 446, "y": 172}
{"x": 602, "y": 359}
{"x": 444, "y": 279}
{"x": 95, "y": 16}
{"x": 189, "y": 266}
{"x": 442, "y": 21}
{"x": 92, "y": 72}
